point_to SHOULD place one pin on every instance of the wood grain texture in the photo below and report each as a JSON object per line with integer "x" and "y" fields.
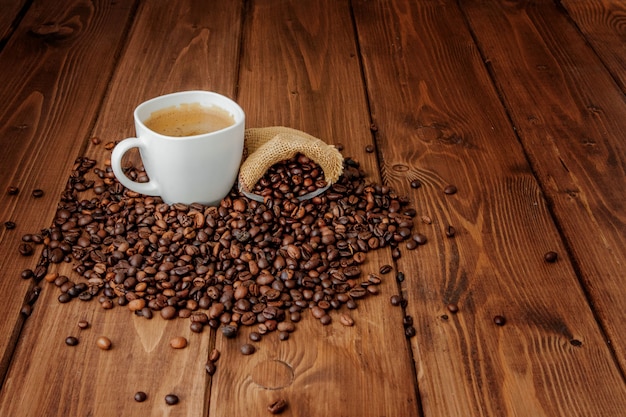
{"x": 10, "y": 15}
{"x": 570, "y": 118}
{"x": 53, "y": 81}
{"x": 178, "y": 45}
{"x": 300, "y": 68}
{"x": 439, "y": 121}
{"x": 603, "y": 24}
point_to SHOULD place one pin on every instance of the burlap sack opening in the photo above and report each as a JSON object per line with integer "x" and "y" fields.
{"x": 267, "y": 146}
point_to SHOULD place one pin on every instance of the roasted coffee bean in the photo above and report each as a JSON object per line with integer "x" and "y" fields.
{"x": 551, "y": 256}
{"x": 229, "y": 331}
{"x": 196, "y": 327}
{"x": 385, "y": 269}
{"x": 346, "y": 320}
{"x": 396, "y": 300}
{"x": 499, "y": 320}
{"x": 9, "y": 225}
{"x": 64, "y": 298}
{"x": 453, "y": 308}
{"x": 168, "y": 312}
{"x": 171, "y": 399}
{"x": 450, "y": 189}
{"x": 369, "y": 148}
{"x": 25, "y": 249}
{"x": 12, "y": 190}
{"x": 27, "y": 274}
{"x": 214, "y": 355}
{"x": 450, "y": 231}
{"x": 416, "y": 184}
{"x": 103, "y": 343}
{"x": 247, "y": 349}
{"x": 420, "y": 238}
{"x": 410, "y": 331}
{"x": 83, "y": 324}
{"x": 178, "y": 342}
{"x": 38, "y": 193}
{"x": 26, "y": 310}
{"x": 71, "y": 341}
{"x": 277, "y": 406}
{"x": 282, "y": 336}
{"x": 140, "y": 396}
{"x": 210, "y": 367}
{"x": 255, "y": 336}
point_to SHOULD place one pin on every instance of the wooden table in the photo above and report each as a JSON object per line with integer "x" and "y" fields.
{"x": 519, "y": 104}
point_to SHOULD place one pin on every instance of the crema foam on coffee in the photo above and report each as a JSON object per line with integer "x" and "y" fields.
{"x": 188, "y": 119}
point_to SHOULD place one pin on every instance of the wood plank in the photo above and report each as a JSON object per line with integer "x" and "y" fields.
{"x": 300, "y": 68}
{"x": 573, "y": 134}
{"x": 10, "y": 15}
{"x": 52, "y": 85}
{"x": 180, "y": 45}
{"x": 439, "y": 121}
{"x": 602, "y": 23}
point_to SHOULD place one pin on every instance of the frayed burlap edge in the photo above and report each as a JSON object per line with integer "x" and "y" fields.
{"x": 267, "y": 146}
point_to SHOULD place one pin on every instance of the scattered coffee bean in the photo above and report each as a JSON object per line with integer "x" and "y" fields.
{"x": 38, "y": 193}
{"x": 178, "y": 342}
{"x": 140, "y": 396}
{"x": 255, "y": 336}
{"x": 25, "y": 249}
{"x": 71, "y": 341}
{"x": 247, "y": 349}
{"x": 26, "y": 310}
{"x": 400, "y": 276}
{"x": 369, "y": 148}
{"x": 96, "y": 140}
{"x": 27, "y": 274}
{"x": 576, "y": 342}
{"x": 282, "y": 336}
{"x": 420, "y": 239}
{"x": 11, "y": 190}
{"x": 277, "y": 407}
{"x": 426, "y": 219}
{"x": 396, "y": 300}
{"x": 210, "y": 367}
{"x": 9, "y": 225}
{"x": 450, "y": 189}
{"x": 416, "y": 184}
{"x": 450, "y": 231}
{"x": 410, "y": 331}
{"x": 551, "y": 256}
{"x": 385, "y": 269}
{"x": 373, "y": 127}
{"x": 103, "y": 343}
{"x": 407, "y": 321}
{"x": 453, "y": 308}
{"x": 83, "y": 324}
{"x": 346, "y": 320}
{"x": 499, "y": 320}
{"x": 171, "y": 399}
{"x": 214, "y": 355}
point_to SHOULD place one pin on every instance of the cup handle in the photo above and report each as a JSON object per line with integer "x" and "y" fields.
{"x": 146, "y": 188}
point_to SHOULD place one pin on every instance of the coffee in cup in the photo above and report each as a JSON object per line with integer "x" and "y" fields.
{"x": 191, "y": 145}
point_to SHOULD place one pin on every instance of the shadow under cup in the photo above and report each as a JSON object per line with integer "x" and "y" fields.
{"x": 187, "y": 169}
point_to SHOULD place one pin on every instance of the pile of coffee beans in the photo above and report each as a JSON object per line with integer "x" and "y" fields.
{"x": 294, "y": 178}
{"x": 242, "y": 263}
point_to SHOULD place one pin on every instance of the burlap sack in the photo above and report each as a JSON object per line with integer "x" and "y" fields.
{"x": 267, "y": 146}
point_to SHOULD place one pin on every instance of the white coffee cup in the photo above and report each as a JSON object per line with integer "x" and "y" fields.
{"x": 190, "y": 169}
